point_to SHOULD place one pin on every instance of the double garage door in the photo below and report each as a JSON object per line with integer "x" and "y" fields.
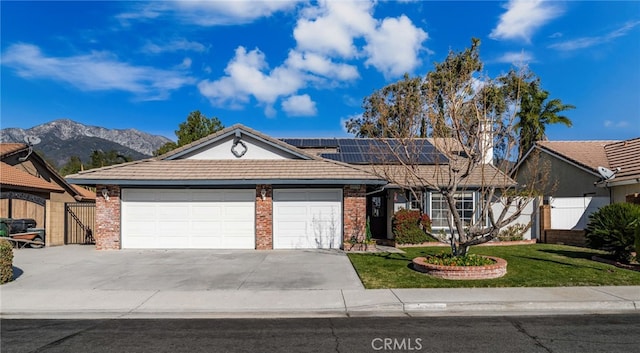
{"x": 225, "y": 219}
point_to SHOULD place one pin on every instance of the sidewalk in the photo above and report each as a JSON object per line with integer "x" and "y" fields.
{"x": 21, "y": 303}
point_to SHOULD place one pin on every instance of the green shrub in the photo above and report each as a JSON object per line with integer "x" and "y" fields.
{"x": 612, "y": 228}
{"x": 513, "y": 232}
{"x": 6, "y": 261}
{"x": 446, "y": 259}
{"x": 409, "y": 227}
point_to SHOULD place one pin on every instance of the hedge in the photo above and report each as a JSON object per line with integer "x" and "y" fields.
{"x": 6, "y": 261}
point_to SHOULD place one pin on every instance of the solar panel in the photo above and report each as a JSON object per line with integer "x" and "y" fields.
{"x": 350, "y": 149}
{"x": 332, "y": 143}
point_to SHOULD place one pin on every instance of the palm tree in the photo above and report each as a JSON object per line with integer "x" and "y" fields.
{"x": 535, "y": 114}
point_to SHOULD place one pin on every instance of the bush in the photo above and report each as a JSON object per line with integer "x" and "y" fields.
{"x": 445, "y": 259}
{"x": 6, "y": 261}
{"x": 513, "y": 232}
{"x": 409, "y": 227}
{"x": 612, "y": 228}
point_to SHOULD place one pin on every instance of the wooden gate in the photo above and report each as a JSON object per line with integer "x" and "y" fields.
{"x": 80, "y": 219}
{"x": 23, "y": 205}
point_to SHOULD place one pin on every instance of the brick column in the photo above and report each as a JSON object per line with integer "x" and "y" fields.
{"x": 354, "y": 212}
{"x": 264, "y": 218}
{"x": 107, "y": 232}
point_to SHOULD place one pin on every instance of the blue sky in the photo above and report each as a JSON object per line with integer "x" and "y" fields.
{"x": 299, "y": 68}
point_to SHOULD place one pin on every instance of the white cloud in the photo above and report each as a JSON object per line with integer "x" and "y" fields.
{"x": 328, "y": 36}
{"x": 301, "y": 105}
{"x": 186, "y": 63}
{"x": 394, "y": 46}
{"x": 586, "y": 42}
{"x": 517, "y": 58}
{"x": 320, "y": 65}
{"x": 616, "y": 124}
{"x": 331, "y": 28}
{"x": 245, "y": 78}
{"x": 174, "y": 46}
{"x": 523, "y": 17}
{"x": 207, "y": 13}
{"x": 97, "y": 71}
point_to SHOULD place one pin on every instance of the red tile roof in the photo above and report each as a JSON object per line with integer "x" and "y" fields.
{"x": 7, "y": 148}
{"x": 11, "y": 176}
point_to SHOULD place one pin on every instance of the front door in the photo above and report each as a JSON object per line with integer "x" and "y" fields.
{"x": 377, "y": 214}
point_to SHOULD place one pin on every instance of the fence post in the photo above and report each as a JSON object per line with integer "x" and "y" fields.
{"x": 545, "y": 220}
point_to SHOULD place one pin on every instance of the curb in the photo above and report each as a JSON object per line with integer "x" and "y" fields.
{"x": 383, "y": 310}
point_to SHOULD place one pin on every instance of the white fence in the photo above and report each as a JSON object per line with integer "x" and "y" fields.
{"x": 528, "y": 216}
{"x": 573, "y": 212}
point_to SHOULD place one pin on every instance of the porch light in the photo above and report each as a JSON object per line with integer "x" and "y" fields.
{"x": 105, "y": 194}
{"x": 263, "y": 193}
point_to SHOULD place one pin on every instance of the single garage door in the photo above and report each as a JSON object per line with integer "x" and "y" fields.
{"x": 188, "y": 219}
{"x": 307, "y": 218}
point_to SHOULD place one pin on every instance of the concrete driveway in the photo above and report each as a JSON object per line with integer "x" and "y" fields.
{"x": 78, "y": 267}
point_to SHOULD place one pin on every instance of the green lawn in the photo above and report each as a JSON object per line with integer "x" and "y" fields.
{"x": 538, "y": 265}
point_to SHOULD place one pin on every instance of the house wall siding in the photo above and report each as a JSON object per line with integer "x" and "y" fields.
{"x": 264, "y": 218}
{"x": 107, "y": 232}
{"x": 354, "y": 212}
{"x": 565, "y": 180}
{"x": 619, "y": 193}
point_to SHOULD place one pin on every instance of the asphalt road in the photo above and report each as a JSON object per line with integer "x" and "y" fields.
{"x": 585, "y": 333}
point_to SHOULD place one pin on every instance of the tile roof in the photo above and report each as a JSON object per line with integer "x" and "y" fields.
{"x": 626, "y": 156}
{"x": 8, "y": 148}
{"x": 11, "y": 176}
{"x": 588, "y": 154}
{"x": 84, "y": 192}
{"x": 422, "y": 175}
{"x": 223, "y": 170}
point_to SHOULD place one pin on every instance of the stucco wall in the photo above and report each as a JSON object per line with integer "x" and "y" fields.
{"x": 565, "y": 179}
{"x": 619, "y": 193}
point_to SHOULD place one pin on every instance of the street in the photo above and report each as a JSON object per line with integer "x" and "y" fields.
{"x": 575, "y": 333}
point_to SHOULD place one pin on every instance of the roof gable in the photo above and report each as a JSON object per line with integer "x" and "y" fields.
{"x": 588, "y": 155}
{"x": 11, "y": 155}
{"x": 235, "y": 143}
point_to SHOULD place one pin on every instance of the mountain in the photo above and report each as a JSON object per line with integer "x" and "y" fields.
{"x": 61, "y": 139}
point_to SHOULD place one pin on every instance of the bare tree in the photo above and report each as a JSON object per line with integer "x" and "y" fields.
{"x": 470, "y": 117}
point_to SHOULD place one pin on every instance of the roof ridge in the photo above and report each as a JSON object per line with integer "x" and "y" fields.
{"x": 93, "y": 170}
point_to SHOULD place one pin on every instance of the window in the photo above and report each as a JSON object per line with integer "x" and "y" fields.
{"x": 465, "y": 205}
{"x": 415, "y": 203}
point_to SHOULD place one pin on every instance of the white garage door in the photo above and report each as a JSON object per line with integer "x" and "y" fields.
{"x": 307, "y": 219}
{"x": 188, "y": 219}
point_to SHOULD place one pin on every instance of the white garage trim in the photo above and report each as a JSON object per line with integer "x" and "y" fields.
{"x": 188, "y": 219}
{"x": 307, "y": 218}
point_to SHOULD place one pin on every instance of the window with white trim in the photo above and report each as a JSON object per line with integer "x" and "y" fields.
{"x": 465, "y": 205}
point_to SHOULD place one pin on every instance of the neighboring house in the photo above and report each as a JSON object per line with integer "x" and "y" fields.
{"x": 31, "y": 188}
{"x": 241, "y": 189}
{"x": 576, "y": 188}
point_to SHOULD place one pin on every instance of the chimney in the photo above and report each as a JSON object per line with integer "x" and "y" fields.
{"x": 486, "y": 141}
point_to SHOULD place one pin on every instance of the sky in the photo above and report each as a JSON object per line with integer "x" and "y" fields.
{"x": 302, "y": 68}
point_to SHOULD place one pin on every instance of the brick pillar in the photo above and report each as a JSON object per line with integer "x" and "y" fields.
{"x": 107, "y": 232}
{"x": 264, "y": 218}
{"x": 354, "y": 212}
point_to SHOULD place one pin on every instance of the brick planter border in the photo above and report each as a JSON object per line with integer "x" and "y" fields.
{"x": 496, "y": 270}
